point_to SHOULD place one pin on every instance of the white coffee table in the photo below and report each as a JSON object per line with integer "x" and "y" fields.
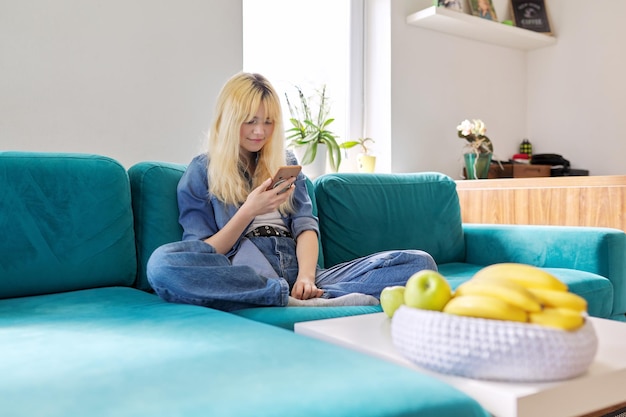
{"x": 600, "y": 390}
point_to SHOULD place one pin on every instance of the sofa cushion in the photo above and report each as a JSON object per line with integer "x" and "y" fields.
{"x": 286, "y": 317}
{"x": 123, "y": 352}
{"x": 66, "y": 222}
{"x": 155, "y": 206}
{"x": 361, "y": 214}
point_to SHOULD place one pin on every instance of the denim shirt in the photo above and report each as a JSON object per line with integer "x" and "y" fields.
{"x": 202, "y": 214}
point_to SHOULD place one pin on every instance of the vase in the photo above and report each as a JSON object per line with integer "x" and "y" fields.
{"x": 366, "y": 163}
{"x": 477, "y": 165}
{"x": 318, "y": 166}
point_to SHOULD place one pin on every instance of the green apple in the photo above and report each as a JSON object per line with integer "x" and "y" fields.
{"x": 391, "y": 298}
{"x": 428, "y": 290}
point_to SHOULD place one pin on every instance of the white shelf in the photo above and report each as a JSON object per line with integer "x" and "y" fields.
{"x": 467, "y": 26}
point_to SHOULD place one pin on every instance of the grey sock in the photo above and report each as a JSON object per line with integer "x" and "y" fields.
{"x": 353, "y": 299}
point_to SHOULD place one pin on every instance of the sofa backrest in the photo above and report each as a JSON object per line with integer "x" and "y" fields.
{"x": 361, "y": 214}
{"x": 155, "y": 207}
{"x": 66, "y": 223}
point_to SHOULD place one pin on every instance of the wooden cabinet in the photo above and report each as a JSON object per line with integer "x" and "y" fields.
{"x": 508, "y": 170}
{"x": 567, "y": 201}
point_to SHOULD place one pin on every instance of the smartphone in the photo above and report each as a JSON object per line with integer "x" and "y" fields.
{"x": 283, "y": 174}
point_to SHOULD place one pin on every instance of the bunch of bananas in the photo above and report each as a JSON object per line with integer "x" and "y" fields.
{"x": 519, "y": 292}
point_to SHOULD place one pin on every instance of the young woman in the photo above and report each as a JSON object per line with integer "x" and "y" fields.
{"x": 246, "y": 246}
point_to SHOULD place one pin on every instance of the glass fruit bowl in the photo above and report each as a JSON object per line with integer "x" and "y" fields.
{"x": 492, "y": 349}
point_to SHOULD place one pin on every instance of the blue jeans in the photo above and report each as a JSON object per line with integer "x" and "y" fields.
{"x": 191, "y": 272}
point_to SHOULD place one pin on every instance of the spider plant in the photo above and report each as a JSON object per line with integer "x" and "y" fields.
{"x": 310, "y": 128}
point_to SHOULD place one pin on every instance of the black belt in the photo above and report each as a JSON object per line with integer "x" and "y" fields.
{"x": 265, "y": 231}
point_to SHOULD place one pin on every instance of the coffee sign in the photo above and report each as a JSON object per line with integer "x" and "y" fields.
{"x": 531, "y": 15}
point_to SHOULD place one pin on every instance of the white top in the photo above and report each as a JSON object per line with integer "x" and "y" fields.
{"x": 270, "y": 219}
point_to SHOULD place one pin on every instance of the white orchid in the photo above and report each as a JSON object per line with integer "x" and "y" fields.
{"x": 479, "y": 127}
{"x": 465, "y": 127}
{"x": 474, "y": 127}
{"x": 474, "y": 132}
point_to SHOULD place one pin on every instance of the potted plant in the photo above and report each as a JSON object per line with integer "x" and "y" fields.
{"x": 309, "y": 134}
{"x": 479, "y": 148}
{"x": 365, "y": 161}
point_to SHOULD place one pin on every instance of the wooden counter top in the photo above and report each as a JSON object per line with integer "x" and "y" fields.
{"x": 568, "y": 201}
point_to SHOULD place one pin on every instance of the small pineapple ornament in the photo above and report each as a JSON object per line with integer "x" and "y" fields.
{"x": 526, "y": 147}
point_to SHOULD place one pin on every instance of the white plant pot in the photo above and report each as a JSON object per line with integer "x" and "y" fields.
{"x": 318, "y": 166}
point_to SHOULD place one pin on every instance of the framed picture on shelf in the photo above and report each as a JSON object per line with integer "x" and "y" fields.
{"x": 483, "y": 9}
{"x": 458, "y": 5}
{"x": 531, "y": 15}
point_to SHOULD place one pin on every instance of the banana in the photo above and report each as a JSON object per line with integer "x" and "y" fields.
{"x": 551, "y": 298}
{"x": 526, "y": 275}
{"x": 508, "y": 291}
{"x": 483, "y": 306}
{"x": 559, "y": 318}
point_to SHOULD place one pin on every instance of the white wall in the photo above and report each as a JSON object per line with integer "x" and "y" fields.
{"x": 566, "y": 98}
{"x": 438, "y": 80}
{"x": 134, "y": 80}
{"x": 137, "y": 80}
{"x": 577, "y": 89}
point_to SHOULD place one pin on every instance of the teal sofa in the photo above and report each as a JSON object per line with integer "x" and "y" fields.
{"x": 79, "y": 338}
{"x": 82, "y": 334}
{"x": 360, "y": 214}
{"x": 364, "y": 213}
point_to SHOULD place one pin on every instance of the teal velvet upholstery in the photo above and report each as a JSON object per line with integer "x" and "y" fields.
{"x": 286, "y": 317}
{"x": 589, "y": 259}
{"x": 64, "y": 218}
{"x": 125, "y": 353}
{"x": 361, "y": 214}
{"x": 153, "y": 187}
{"x": 76, "y": 339}
{"x": 365, "y": 213}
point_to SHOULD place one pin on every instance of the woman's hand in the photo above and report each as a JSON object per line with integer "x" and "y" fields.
{"x": 259, "y": 202}
{"x": 263, "y": 201}
{"x": 304, "y": 289}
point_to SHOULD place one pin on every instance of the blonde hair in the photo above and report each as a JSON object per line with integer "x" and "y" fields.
{"x": 238, "y": 102}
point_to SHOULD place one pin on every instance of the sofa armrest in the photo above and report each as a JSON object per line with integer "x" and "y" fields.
{"x": 601, "y": 251}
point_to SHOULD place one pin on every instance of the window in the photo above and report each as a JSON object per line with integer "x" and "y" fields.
{"x": 309, "y": 43}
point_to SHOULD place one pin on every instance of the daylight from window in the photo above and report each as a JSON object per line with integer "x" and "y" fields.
{"x": 301, "y": 43}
